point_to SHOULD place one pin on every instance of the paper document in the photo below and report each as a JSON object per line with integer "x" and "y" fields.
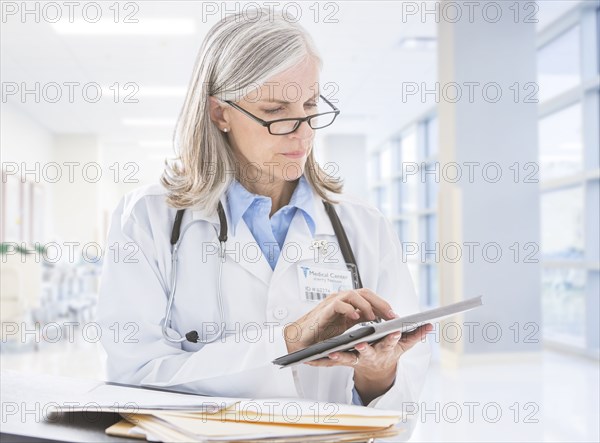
{"x": 295, "y": 411}
{"x": 119, "y": 398}
{"x": 169, "y": 427}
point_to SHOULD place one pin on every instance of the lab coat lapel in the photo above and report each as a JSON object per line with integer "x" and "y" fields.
{"x": 245, "y": 252}
{"x": 201, "y": 213}
{"x": 298, "y": 243}
{"x": 241, "y": 248}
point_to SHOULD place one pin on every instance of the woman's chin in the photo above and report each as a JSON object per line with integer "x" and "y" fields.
{"x": 293, "y": 170}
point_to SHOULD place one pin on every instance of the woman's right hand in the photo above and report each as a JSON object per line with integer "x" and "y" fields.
{"x": 334, "y": 315}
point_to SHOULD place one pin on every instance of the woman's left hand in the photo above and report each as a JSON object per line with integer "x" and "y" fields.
{"x": 381, "y": 356}
{"x": 375, "y": 366}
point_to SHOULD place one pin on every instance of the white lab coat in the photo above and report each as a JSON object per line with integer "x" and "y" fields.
{"x": 260, "y": 301}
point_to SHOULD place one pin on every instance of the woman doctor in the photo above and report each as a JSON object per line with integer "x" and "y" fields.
{"x": 247, "y": 303}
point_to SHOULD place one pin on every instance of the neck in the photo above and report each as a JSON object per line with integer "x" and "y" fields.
{"x": 278, "y": 190}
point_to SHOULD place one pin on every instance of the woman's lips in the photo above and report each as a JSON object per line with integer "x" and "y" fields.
{"x": 295, "y": 154}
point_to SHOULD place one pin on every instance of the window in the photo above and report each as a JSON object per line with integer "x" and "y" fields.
{"x": 563, "y": 305}
{"x": 431, "y": 137}
{"x": 408, "y": 148}
{"x": 559, "y": 64}
{"x": 431, "y": 188}
{"x": 374, "y": 167}
{"x": 399, "y": 191}
{"x": 383, "y": 201}
{"x": 560, "y": 141}
{"x": 569, "y": 172}
{"x": 407, "y": 232}
{"x": 385, "y": 162}
{"x": 408, "y": 188}
{"x": 430, "y": 282}
{"x": 562, "y": 213}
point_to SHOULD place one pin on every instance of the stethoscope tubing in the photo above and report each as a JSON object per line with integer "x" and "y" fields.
{"x": 173, "y": 288}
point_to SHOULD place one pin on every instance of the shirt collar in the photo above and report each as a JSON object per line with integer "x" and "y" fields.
{"x": 239, "y": 199}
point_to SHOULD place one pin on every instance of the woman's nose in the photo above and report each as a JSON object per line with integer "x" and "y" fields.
{"x": 304, "y": 131}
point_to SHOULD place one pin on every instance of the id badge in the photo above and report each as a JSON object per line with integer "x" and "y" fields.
{"x": 317, "y": 282}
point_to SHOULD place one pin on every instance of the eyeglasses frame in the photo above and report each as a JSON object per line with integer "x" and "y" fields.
{"x": 299, "y": 120}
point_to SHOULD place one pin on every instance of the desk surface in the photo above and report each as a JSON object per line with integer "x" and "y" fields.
{"x": 26, "y": 398}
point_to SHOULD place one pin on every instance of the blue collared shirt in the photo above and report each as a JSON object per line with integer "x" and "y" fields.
{"x": 270, "y": 232}
{"x": 254, "y": 209}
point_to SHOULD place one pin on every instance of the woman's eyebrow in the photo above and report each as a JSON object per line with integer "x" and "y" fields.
{"x": 285, "y": 102}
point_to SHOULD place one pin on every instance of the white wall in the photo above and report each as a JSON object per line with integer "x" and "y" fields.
{"x": 75, "y": 210}
{"x": 347, "y": 157}
{"x": 70, "y": 208}
{"x": 25, "y": 142}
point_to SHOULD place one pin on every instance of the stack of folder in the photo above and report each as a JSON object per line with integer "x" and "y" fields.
{"x": 158, "y": 415}
{"x": 273, "y": 420}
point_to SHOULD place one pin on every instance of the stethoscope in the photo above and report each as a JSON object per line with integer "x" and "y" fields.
{"x": 177, "y": 236}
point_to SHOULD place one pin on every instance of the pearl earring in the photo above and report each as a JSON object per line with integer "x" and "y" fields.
{"x": 225, "y": 129}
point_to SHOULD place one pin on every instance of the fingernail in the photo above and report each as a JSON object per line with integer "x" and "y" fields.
{"x": 392, "y": 314}
{"x": 360, "y": 347}
{"x": 334, "y": 357}
{"x": 396, "y": 336}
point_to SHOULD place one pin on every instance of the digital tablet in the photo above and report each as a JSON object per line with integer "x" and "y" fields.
{"x": 375, "y": 332}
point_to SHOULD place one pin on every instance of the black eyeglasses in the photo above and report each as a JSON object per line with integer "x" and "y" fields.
{"x": 286, "y": 126}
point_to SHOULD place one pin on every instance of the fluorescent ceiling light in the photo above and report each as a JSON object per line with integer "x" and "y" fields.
{"x": 149, "y": 121}
{"x": 427, "y": 43}
{"x": 145, "y": 26}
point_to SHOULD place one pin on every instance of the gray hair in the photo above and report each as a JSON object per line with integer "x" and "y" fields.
{"x": 239, "y": 53}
